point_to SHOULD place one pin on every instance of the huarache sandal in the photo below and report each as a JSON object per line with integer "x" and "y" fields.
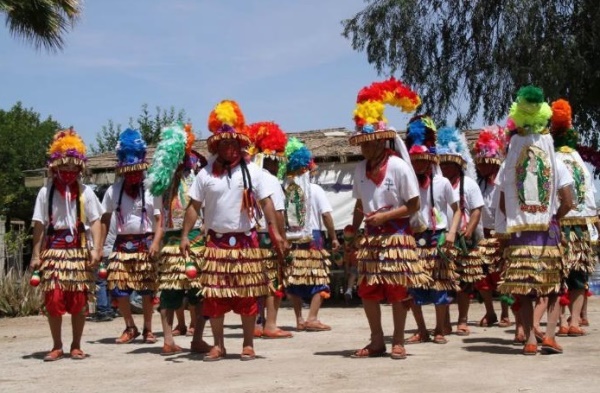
{"x": 367, "y": 352}
{"x": 563, "y": 331}
{"x": 247, "y": 354}
{"x": 128, "y": 335}
{"x": 504, "y": 322}
{"x": 190, "y": 332}
{"x": 530, "y": 350}
{"x": 519, "y": 339}
{"x": 398, "y": 352}
{"x": 275, "y": 334}
{"x": 200, "y": 347}
{"x": 77, "y": 354}
{"x": 463, "y": 331}
{"x": 54, "y": 355}
{"x": 148, "y": 337}
{"x": 440, "y": 339}
{"x": 316, "y": 326}
{"x": 575, "y": 331}
{"x": 488, "y": 321}
{"x": 417, "y": 338}
{"x": 179, "y": 331}
{"x": 215, "y": 354}
{"x": 584, "y": 322}
{"x": 300, "y": 326}
{"x": 550, "y": 346}
{"x": 168, "y": 350}
{"x": 258, "y": 332}
{"x": 539, "y": 335}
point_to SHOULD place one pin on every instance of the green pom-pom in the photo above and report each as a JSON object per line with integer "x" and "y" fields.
{"x": 507, "y": 299}
{"x": 531, "y": 94}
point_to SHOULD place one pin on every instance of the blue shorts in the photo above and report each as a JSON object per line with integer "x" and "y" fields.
{"x": 306, "y": 291}
{"x": 116, "y": 292}
{"x": 422, "y": 296}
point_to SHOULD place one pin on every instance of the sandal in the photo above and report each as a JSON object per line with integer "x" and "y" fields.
{"x": 54, "y": 355}
{"x": 248, "y": 354}
{"x": 563, "y": 331}
{"x": 214, "y": 355}
{"x": 575, "y": 331}
{"x": 584, "y": 322}
{"x": 463, "y": 331}
{"x": 519, "y": 339}
{"x": 504, "y": 322}
{"x": 398, "y": 352}
{"x": 179, "y": 331}
{"x": 440, "y": 339}
{"x": 488, "y": 321}
{"x": 550, "y": 346}
{"x": 367, "y": 352}
{"x": 128, "y": 335}
{"x": 277, "y": 333}
{"x": 417, "y": 339}
{"x": 148, "y": 337}
{"x": 168, "y": 350}
{"x": 200, "y": 347}
{"x": 190, "y": 332}
{"x": 316, "y": 326}
{"x": 539, "y": 335}
{"x": 300, "y": 326}
{"x": 530, "y": 350}
{"x": 77, "y": 354}
{"x": 258, "y": 332}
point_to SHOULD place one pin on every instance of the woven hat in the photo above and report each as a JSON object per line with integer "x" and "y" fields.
{"x": 370, "y": 104}
{"x": 67, "y": 147}
{"x": 420, "y": 139}
{"x": 530, "y": 112}
{"x": 131, "y": 152}
{"x": 173, "y": 150}
{"x": 226, "y": 121}
{"x": 561, "y": 126}
{"x": 490, "y": 147}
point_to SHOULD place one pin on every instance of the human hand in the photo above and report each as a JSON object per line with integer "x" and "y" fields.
{"x": 34, "y": 263}
{"x": 376, "y": 219}
{"x": 184, "y": 246}
{"x": 335, "y": 244}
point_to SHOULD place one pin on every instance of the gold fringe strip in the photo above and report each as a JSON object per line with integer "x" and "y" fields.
{"x": 488, "y": 160}
{"x": 453, "y": 158}
{"x": 67, "y": 269}
{"x": 470, "y": 267}
{"x": 172, "y": 269}
{"x": 579, "y": 253}
{"x": 527, "y": 227}
{"x": 132, "y": 271}
{"x": 131, "y": 168}
{"x": 308, "y": 267}
{"x": 570, "y": 221}
{"x": 442, "y": 273}
{"x": 356, "y": 140}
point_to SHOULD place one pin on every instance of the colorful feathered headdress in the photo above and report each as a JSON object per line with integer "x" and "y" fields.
{"x": 370, "y": 105}
{"x": 226, "y": 121}
{"x": 565, "y": 137}
{"x": 131, "y": 152}
{"x": 421, "y": 138}
{"x": 490, "y": 147}
{"x": 67, "y": 148}
{"x": 298, "y": 157}
{"x": 173, "y": 151}
{"x": 452, "y": 146}
{"x": 530, "y": 112}
{"x": 268, "y": 141}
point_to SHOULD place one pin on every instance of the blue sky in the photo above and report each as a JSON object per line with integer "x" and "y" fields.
{"x": 282, "y": 60}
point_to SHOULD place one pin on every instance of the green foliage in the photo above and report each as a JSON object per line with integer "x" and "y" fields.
{"x": 480, "y": 52}
{"x": 24, "y": 139}
{"x": 41, "y": 22}
{"x": 149, "y": 124}
{"x": 17, "y": 297}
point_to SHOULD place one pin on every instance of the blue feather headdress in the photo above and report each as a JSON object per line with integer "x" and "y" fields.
{"x": 420, "y": 138}
{"x": 452, "y": 147}
{"x": 298, "y": 157}
{"x": 131, "y": 152}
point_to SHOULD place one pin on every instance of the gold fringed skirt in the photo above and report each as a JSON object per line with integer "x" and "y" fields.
{"x": 580, "y": 256}
{"x": 440, "y": 267}
{"x": 129, "y": 266}
{"x": 233, "y": 266}
{"x": 469, "y": 263}
{"x": 533, "y": 263}
{"x": 309, "y": 266}
{"x": 172, "y": 264}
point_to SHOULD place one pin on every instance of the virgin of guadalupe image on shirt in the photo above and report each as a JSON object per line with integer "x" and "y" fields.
{"x": 578, "y": 186}
{"x": 534, "y": 176}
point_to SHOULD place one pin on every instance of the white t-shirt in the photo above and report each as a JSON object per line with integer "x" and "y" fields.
{"x": 563, "y": 179}
{"x": 473, "y": 200}
{"x": 488, "y": 213}
{"x": 319, "y": 206}
{"x": 586, "y": 203}
{"x": 61, "y": 219}
{"x": 222, "y": 197}
{"x": 131, "y": 210}
{"x": 278, "y": 197}
{"x": 111, "y": 236}
{"x": 398, "y": 187}
{"x": 443, "y": 197}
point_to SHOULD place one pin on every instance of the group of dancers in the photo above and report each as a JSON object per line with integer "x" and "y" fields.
{"x": 240, "y": 229}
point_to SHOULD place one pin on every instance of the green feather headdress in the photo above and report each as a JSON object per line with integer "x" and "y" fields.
{"x": 169, "y": 154}
{"x": 530, "y": 112}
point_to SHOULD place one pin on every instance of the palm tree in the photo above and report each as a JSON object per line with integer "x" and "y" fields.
{"x": 41, "y": 22}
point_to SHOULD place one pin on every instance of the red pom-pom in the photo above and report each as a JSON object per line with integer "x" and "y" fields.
{"x": 564, "y": 299}
{"x": 35, "y": 279}
{"x": 190, "y": 270}
{"x": 102, "y": 272}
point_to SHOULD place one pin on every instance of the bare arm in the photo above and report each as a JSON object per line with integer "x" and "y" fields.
{"x": 328, "y": 222}
{"x": 358, "y": 215}
{"x": 474, "y": 217}
{"x": 266, "y": 205}
{"x": 96, "y": 254}
{"x": 451, "y": 235}
{"x": 191, "y": 215}
{"x": 566, "y": 202}
{"x": 104, "y": 227}
{"x": 158, "y": 235}
{"x": 38, "y": 237}
{"x": 412, "y": 205}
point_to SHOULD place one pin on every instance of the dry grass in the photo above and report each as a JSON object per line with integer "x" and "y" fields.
{"x": 17, "y": 297}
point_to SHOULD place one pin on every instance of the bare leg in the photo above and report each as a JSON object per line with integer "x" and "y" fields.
{"x": 180, "y": 315}
{"x": 553, "y": 313}
{"x": 373, "y": 313}
{"x": 504, "y": 312}
{"x": 272, "y": 307}
{"x": 297, "y": 304}
{"x": 192, "y": 310}
{"x": 217, "y": 326}
{"x": 77, "y": 324}
{"x": 488, "y": 302}
{"x": 199, "y": 321}
{"x": 148, "y": 308}
{"x": 399, "y": 311}
{"x": 576, "y": 297}
{"x": 248, "y": 327}
{"x": 463, "y": 300}
{"x": 541, "y": 306}
{"x": 55, "y": 330}
{"x": 441, "y": 316}
{"x": 125, "y": 310}
{"x": 519, "y": 332}
{"x": 166, "y": 316}
{"x": 417, "y": 312}
{"x": 584, "y": 307}
{"x": 315, "y": 305}
{"x": 526, "y": 313}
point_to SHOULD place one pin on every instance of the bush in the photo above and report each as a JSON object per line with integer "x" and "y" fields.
{"x": 17, "y": 297}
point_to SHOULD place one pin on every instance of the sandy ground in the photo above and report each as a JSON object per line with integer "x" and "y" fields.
{"x": 485, "y": 361}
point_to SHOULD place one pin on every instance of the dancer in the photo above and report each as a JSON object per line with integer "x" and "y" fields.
{"x": 387, "y": 194}
{"x": 132, "y": 265}
{"x": 268, "y": 152}
{"x": 66, "y": 262}
{"x": 533, "y": 256}
{"x": 171, "y": 175}
{"x": 458, "y": 167}
{"x": 232, "y": 274}
{"x": 435, "y": 244}
{"x": 308, "y": 274}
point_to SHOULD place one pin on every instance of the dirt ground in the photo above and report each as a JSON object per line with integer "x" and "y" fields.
{"x": 485, "y": 361}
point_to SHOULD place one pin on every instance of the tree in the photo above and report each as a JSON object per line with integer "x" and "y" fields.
{"x": 24, "y": 140}
{"x": 479, "y": 52}
{"x": 149, "y": 125}
{"x": 43, "y": 23}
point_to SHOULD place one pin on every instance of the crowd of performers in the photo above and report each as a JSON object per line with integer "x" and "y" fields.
{"x": 237, "y": 231}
